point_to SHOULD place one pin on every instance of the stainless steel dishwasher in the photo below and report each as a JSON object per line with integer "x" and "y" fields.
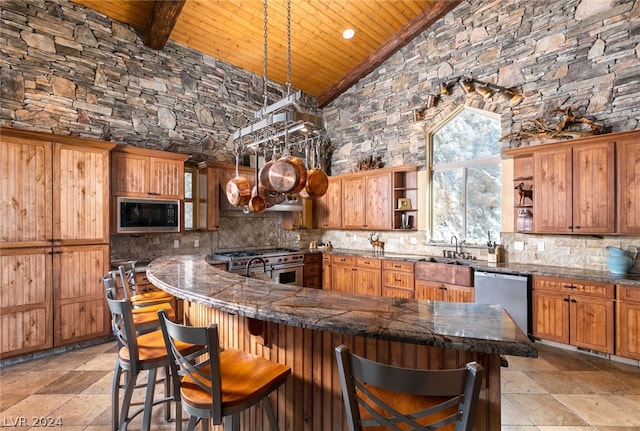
{"x": 511, "y": 291}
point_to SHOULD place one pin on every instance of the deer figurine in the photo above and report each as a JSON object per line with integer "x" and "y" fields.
{"x": 377, "y": 245}
{"x": 524, "y": 193}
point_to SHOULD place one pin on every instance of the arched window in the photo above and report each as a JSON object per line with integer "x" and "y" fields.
{"x": 465, "y": 177}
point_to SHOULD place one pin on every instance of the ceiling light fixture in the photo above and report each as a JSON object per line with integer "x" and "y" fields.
{"x": 470, "y": 86}
{"x": 348, "y": 33}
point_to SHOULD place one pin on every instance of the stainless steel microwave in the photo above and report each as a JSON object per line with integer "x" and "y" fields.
{"x": 139, "y": 215}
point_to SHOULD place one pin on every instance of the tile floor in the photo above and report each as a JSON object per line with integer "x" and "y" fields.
{"x": 562, "y": 390}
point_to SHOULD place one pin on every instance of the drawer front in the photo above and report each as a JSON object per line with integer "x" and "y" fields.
{"x": 629, "y": 293}
{"x": 312, "y": 258}
{"x": 312, "y": 270}
{"x": 395, "y": 265}
{"x": 397, "y": 280}
{"x": 367, "y": 262}
{"x": 573, "y": 286}
{"x": 397, "y": 293}
{"x": 326, "y": 257}
{"x": 343, "y": 260}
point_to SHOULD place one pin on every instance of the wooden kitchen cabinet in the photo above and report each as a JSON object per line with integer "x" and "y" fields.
{"x": 359, "y": 275}
{"x": 574, "y": 189}
{"x": 58, "y": 224}
{"x": 312, "y": 275}
{"x": 438, "y": 291}
{"x": 628, "y": 321}
{"x": 367, "y": 201}
{"x": 575, "y": 312}
{"x": 139, "y": 172}
{"x": 327, "y": 210}
{"x": 398, "y": 279}
{"x": 208, "y": 197}
{"x": 326, "y": 271}
{"x": 628, "y": 186}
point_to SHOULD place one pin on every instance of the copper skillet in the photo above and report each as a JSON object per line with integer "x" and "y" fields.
{"x": 238, "y": 189}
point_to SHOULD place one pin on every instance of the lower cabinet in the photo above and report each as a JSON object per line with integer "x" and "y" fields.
{"x": 397, "y": 279}
{"x": 356, "y": 275}
{"x": 52, "y": 297}
{"x": 312, "y": 270}
{"x": 326, "y": 271}
{"x": 575, "y": 312}
{"x": 628, "y": 322}
{"x": 437, "y": 291}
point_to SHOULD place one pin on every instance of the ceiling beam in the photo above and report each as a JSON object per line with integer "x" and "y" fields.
{"x": 162, "y": 19}
{"x": 390, "y": 47}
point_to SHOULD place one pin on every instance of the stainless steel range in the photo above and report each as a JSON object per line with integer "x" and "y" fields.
{"x": 283, "y": 265}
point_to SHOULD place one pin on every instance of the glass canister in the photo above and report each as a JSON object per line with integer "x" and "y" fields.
{"x": 524, "y": 222}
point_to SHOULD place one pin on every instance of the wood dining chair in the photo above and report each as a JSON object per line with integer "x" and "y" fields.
{"x": 137, "y": 353}
{"x": 216, "y": 386}
{"x": 435, "y": 399}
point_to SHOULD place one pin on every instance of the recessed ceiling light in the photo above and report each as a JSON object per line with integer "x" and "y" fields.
{"x": 348, "y": 33}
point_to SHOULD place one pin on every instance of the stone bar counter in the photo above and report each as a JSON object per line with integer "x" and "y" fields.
{"x": 300, "y": 327}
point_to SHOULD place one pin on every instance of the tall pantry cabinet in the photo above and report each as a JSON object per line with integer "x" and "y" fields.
{"x": 54, "y": 240}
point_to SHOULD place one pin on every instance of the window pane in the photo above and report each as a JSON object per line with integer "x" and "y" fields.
{"x": 483, "y": 203}
{"x": 467, "y": 136}
{"x": 188, "y": 215}
{"x": 447, "y": 204}
{"x": 188, "y": 185}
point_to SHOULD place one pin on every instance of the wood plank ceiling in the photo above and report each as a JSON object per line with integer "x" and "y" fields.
{"x": 323, "y": 63}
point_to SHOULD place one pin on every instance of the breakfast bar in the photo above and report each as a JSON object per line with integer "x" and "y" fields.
{"x": 300, "y": 327}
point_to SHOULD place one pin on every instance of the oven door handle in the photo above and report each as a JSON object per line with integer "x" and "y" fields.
{"x": 285, "y": 266}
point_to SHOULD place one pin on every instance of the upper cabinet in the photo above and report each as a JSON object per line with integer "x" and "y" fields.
{"x": 628, "y": 182}
{"x": 380, "y": 199}
{"x": 138, "y": 172}
{"x": 578, "y": 184}
{"x": 327, "y": 210}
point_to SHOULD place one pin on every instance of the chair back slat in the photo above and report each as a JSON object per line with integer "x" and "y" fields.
{"x": 127, "y": 274}
{"x": 201, "y": 367}
{"x": 122, "y": 324}
{"x": 368, "y": 388}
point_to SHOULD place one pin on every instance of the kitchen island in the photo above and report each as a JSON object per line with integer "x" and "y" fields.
{"x": 300, "y": 327}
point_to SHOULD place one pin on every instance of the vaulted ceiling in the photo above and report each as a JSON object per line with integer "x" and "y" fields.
{"x": 323, "y": 63}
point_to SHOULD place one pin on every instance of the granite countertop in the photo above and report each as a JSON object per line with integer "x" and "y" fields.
{"x": 459, "y": 326}
{"x": 509, "y": 268}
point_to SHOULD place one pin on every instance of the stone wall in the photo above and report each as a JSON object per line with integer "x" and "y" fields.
{"x": 68, "y": 70}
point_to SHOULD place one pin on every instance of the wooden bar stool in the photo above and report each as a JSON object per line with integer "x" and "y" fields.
{"x": 437, "y": 398}
{"x": 145, "y": 318}
{"x": 136, "y": 354}
{"x": 217, "y": 386}
{"x": 127, "y": 273}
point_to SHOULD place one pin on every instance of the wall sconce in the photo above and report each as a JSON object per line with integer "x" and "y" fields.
{"x": 485, "y": 89}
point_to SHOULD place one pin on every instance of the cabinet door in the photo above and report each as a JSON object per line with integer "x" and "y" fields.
{"x": 628, "y": 186}
{"x": 431, "y": 290}
{"x": 379, "y": 202}
{"x": 166, "y": 178}
{"x": 342, "y": 274}
{"x": 129, "y": 175}
{"x": 453, "y": 293}
{"x": 209, "y": 198}
{"x": 81, "y": 195}
{"x": 353, "y": 196}
{"x": 551, "y": 316}
{"x": 591, "y": 323}
{"x": 326, "y": 272}
{"x": 593, "y": 188}
{"x": 628, "y": 329}
{"x": 367, "y": 281}
{"x": 25, "y": 195}
{"x": 328, "y": 208}
{"x": 81, "y": 313}
{"x": 552, "y": 182}
{"x": 26, "y": 310}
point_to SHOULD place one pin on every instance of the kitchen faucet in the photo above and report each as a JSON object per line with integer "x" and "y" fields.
{"x": 264, "y": 264}
{"x": 453, "y": 237}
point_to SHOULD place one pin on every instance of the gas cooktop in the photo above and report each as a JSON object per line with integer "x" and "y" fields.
{"x": 257, "y": 252}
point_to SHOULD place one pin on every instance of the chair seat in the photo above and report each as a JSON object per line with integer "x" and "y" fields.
{"x": 151, "y": 348}
{"x": 151, "y": 297}
{"x": 145, "y": 315}
{"x": 245, "y": 377}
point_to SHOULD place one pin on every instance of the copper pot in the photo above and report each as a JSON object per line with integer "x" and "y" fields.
{"x": 238, "y": 189}
{"x": 317, "y": 183}
{"x": 288, "y": 175}
{"x": 257, "y": 203}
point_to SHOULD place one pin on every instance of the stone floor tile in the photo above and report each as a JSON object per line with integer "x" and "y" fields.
{"x": 558, "y": 382}
{"x": 544, "y": 409}
{"x": 517, "y": 382}
{"x": 598, "y": 410}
